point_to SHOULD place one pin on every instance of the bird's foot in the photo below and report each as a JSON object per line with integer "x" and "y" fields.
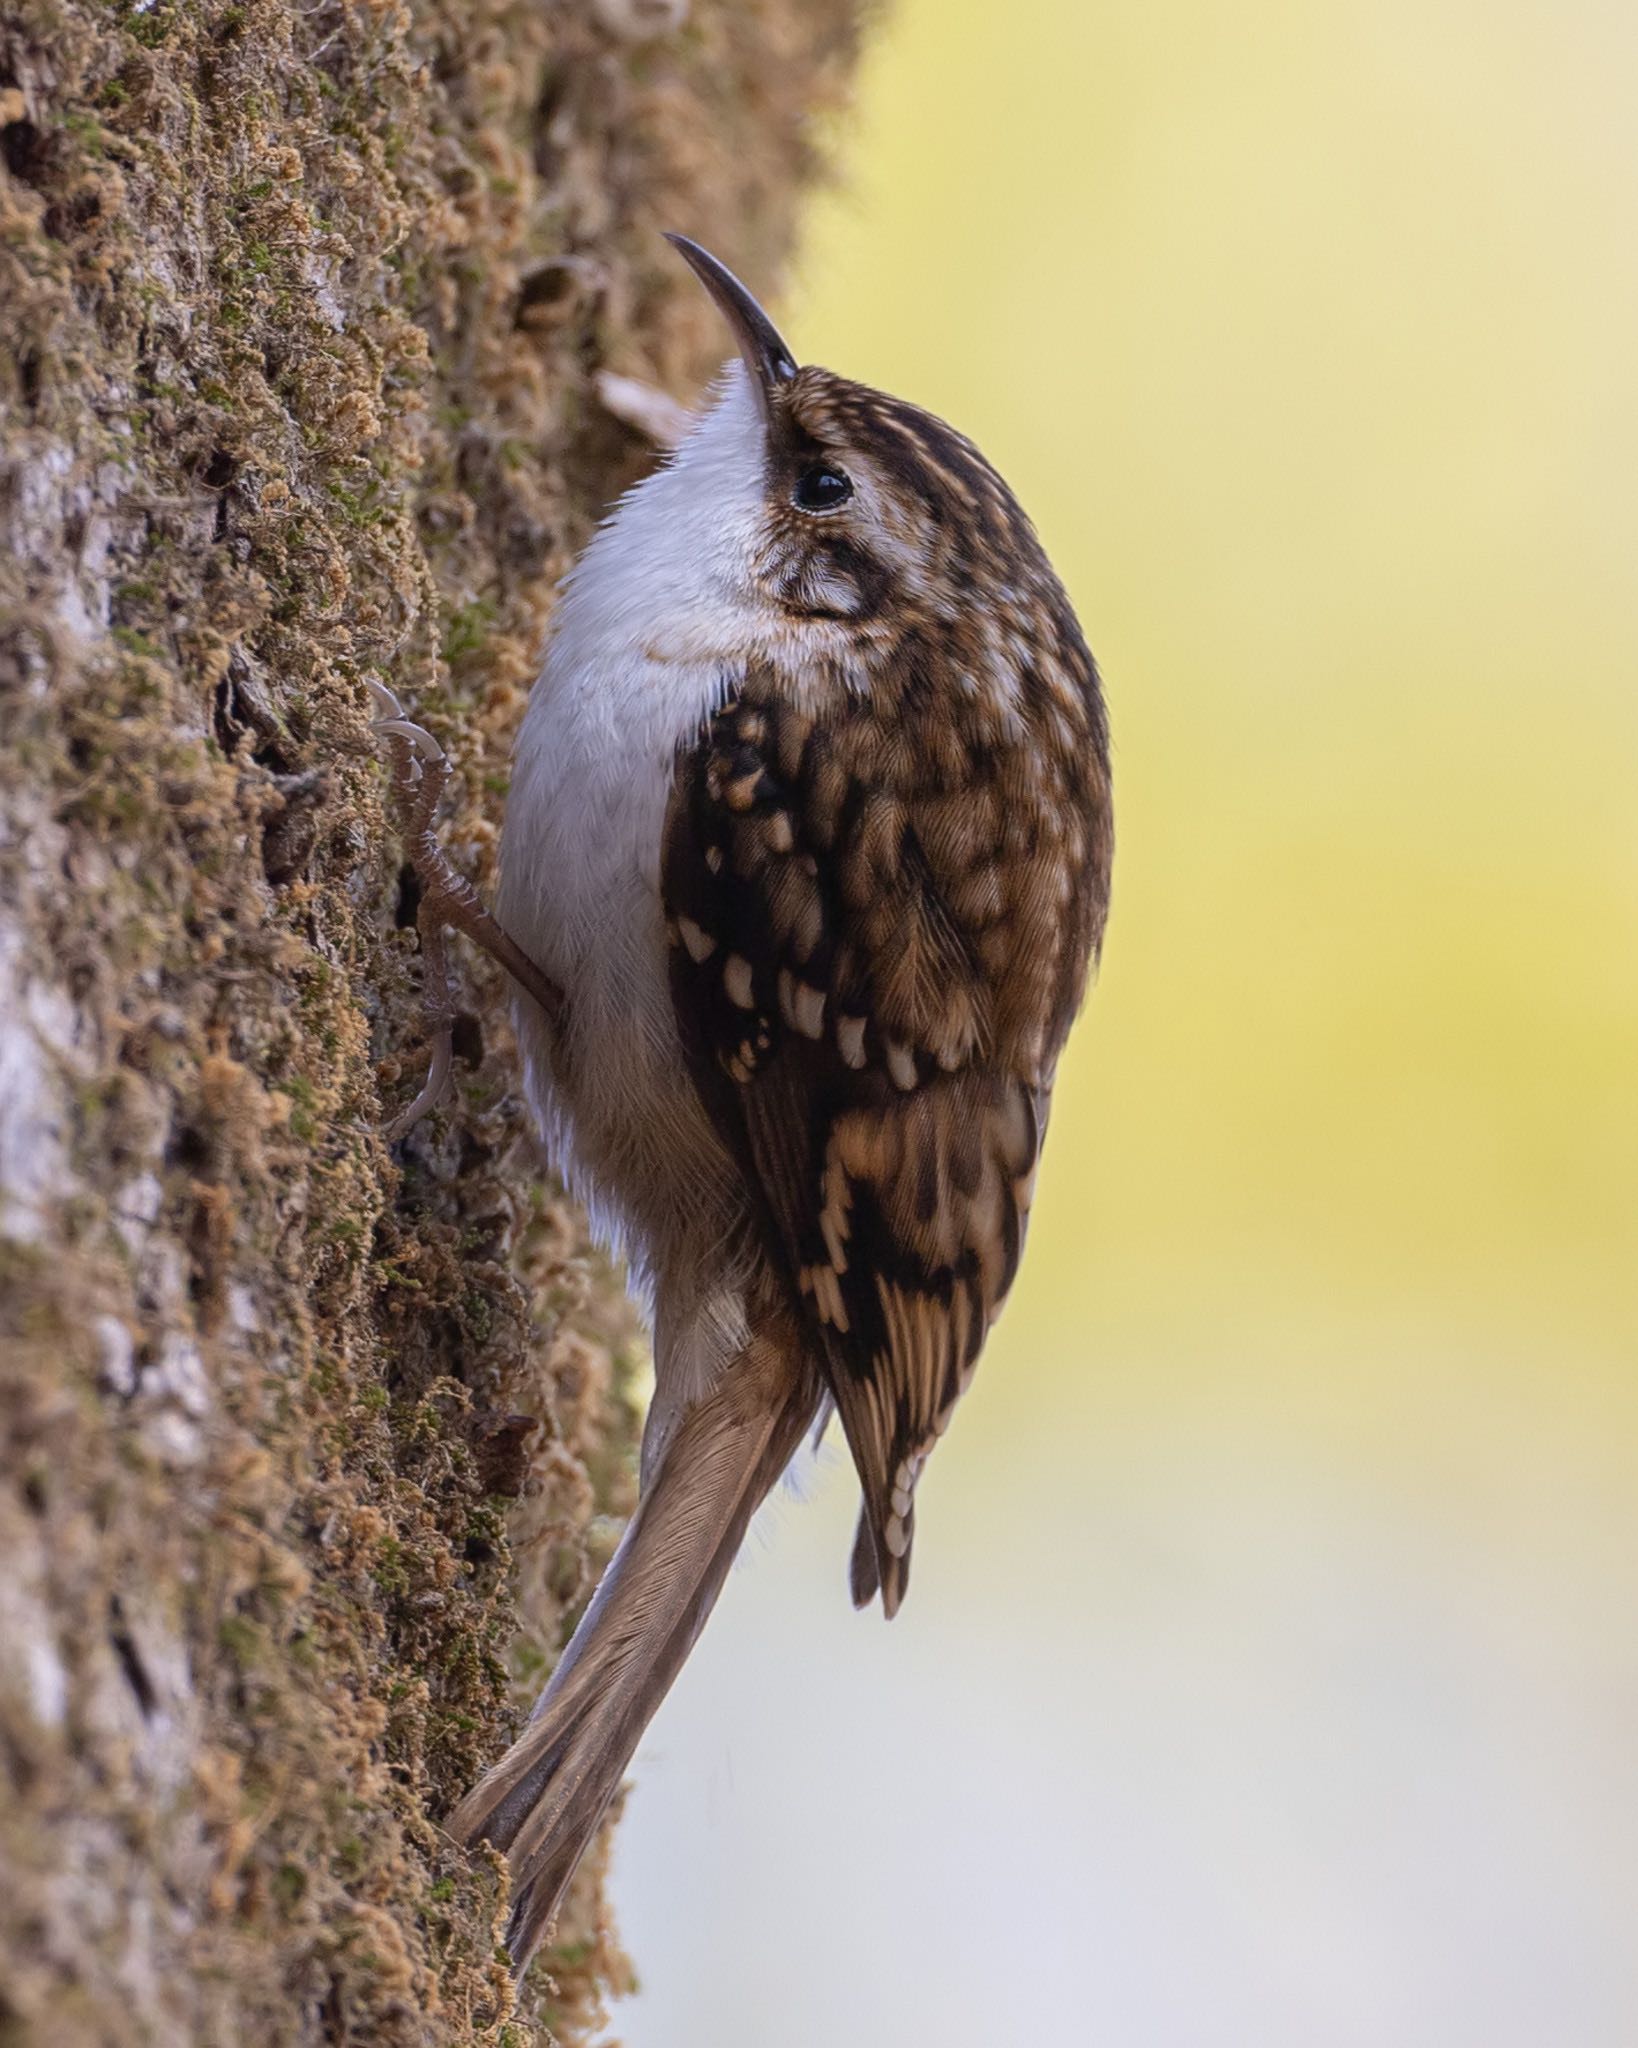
{"x": 420, "y": 770}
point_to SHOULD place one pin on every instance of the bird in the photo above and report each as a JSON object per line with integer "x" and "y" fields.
{"x": 805, "y": 866}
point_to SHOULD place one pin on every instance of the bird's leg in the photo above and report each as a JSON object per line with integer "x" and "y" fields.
{"x": 420, "y": 771}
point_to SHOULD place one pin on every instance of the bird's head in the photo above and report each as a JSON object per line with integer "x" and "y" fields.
{"x": 841, "y": 508}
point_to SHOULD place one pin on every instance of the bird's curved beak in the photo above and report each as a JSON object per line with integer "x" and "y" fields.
{"x": 769, "y": 361}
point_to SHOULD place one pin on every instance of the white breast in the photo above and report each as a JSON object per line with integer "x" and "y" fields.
{"x": 647, "y": 640}
{"x": 581, "y": 894}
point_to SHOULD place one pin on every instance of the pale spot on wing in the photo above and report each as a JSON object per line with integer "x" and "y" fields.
{"x": 833, "y": 1217}
{"x": 736, "y": 979}
{"x": 821, "y": 1282}
{"x": 810, "y": 1010}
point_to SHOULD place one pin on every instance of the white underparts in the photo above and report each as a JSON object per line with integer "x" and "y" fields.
{"x": 650, "y": 635}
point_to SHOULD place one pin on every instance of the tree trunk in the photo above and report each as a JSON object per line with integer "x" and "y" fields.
{"x": 302, "y": 310}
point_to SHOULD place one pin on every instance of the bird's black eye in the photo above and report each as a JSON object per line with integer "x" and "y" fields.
{"x": 821, "y": 489}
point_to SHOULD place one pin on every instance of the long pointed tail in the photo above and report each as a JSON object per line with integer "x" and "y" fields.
{"x": 542, "y": 1802}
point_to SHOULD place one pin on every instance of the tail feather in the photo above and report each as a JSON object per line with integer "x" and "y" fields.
{"x": 542, "y": 1802}
{"x": 875, "y": 1567}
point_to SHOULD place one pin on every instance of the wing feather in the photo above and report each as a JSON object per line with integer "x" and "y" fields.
{"x": 873, "y": 971}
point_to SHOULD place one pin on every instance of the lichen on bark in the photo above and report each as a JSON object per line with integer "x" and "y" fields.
{"x": 301, "y": 316}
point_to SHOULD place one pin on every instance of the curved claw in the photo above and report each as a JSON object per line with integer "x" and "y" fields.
{"x": 417, "y": 735}
{"x": 432, "y": 1090}
{"x": 384, "y": 700}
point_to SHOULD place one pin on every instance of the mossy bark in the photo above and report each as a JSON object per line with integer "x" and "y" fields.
{"x": 301, "y": 316}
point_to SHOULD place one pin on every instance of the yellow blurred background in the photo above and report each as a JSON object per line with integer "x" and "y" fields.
{"x": 1271, "y": 1670}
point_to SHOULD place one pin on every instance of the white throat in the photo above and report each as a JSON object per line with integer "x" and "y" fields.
{"x": 670, "y": 574}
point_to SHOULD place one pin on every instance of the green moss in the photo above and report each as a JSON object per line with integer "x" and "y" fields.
{"x": 150, "y": 30}
{"x": 134, "y": 642}
{"x": 275, "y": 361}
{"x": 241, "y": 1640}
{"x": 468, "y": 627}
